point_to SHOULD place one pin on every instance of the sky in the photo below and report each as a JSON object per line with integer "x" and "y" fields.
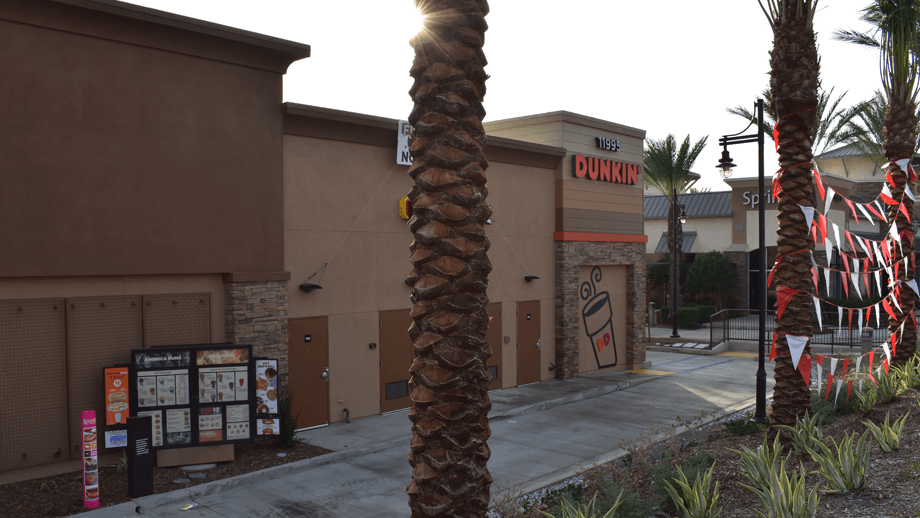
{"x": 670, "y": 66}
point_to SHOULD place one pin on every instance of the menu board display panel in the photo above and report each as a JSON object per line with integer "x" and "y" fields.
{"x": 194, "y": 394}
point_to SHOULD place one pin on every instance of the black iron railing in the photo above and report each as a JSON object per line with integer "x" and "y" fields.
{"x": 742, "y": 324}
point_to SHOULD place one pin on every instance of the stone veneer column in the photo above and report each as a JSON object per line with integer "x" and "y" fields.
{"x": 570, "y": 255}
{"x": 256, "y": 314}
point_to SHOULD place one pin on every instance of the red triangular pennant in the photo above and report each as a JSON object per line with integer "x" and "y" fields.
{"x": 886, "y": 366}
{"x": 871, "y": 358}
{"x": 814, "y": 233}
{"x": 805, "y": 369}
{"x": 822, "y": 222}
{"x": 853, "y": 210}
{"x": 773, "y": 348}
{"x": 846, "y": 280}
{"x": 890, "y": 179}
{"x": 873, "y": 210}
{"x": 850, "y": 239}
{"x": 773, "y": 270}
{"x": 846, "y": 364}
{"x": 830, "y": 381}
{"x": 903, "y": 210}
{"x": 819, "y": 182}
{"x": 888, "y": 309}
{"x": 783, "y": 297}
{"x": 776, "y": 135}
{"x": 850, "y": 319}
{"x": 849, "y": 388}
{"x": 814, "y": 277}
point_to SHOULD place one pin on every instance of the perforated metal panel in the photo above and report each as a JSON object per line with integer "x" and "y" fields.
{"x": 177, "y": 319}
{"x": 33, "y": 381}
{"x": 101, "y": 331}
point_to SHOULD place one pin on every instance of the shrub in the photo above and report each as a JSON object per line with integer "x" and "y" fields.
{"x": 695, "y": 500}
{"x": 711, "y": 272}
{"x": 688, "y": 316}
{"x": 570, "y": 510}
{"x": 866, "y": 398}
{"x": 631, "y": 503}
{"x": 847, "y": 470}
{"x": 287, "y": 436}
{"x": 665, "y": 311}
{"x": 887, "y": 436}
{"x": 741, "y": 427}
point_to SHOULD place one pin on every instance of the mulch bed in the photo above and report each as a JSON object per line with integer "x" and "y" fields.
{"x": 62, "y": 495}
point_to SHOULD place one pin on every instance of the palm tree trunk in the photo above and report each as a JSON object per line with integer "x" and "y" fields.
{"x": 900, "y": 133}
{"x": 675, "y": 258}
{"x": 794, "y": 88}
{"x": 449, "y": 378}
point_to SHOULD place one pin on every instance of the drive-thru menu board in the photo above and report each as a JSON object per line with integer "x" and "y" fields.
{"x": 194, "y": 394}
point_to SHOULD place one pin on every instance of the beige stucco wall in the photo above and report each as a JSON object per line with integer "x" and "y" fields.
{"x": 328, "y": 183}
{"x": 853, "y": 168}
{"x": 63, "y": 287}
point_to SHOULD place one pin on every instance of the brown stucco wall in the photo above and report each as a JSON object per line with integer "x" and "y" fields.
{"x": 134, "y": 146}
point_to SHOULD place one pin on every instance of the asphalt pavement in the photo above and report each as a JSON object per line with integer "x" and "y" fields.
{"x": 542, "y": 433}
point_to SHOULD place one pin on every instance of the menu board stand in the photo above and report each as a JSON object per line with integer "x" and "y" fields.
{"x": 140, "y": 456}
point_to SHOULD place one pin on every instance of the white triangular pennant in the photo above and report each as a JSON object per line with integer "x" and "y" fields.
{"x": 878, "y": 254}
{"x": 903, "y": 163}
{"x": 878, "y": 282}
{"x": 820, "y": 377}
{"x": 909, "y": 192}
{"x": 863, "y": 245}
{"x": 887, "y": 351}
{"x": 827, "y": 279}
{"x": 855, "y": 278}
{"x": 833, "y": 366}
{"x": 840, "y": 317}
{"x": 886, "y": 191}
{"x": 913, "y": 285}
{"x": 859, "y": 388}
{"x": 895, "y": 300}
{"x": 837, "y": 396}
{"x": 855, "y": 264}
{"x": 828, "y": 250}
{"x": 809, "y": 215}
{"x": 878, "y": 315}
{"x": 837, "y": 235}
{"x": 817, "y": 302}
{"x": 796, "y": 346}
{"x": 866, "y": 213}
{"x": 828, "y": 198}
{"x": 858, "y": 361}
{"x": 861, "y": 321}
{"x": 880, "y": 207}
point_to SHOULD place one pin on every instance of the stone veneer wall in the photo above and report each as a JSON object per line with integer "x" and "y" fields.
{"x": 569, "y": 256}
{"x": 740, "y": 292}
{"x": 256, "y": 314}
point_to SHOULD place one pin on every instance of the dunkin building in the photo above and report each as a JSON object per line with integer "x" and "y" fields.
{"x": 158, "y": 191}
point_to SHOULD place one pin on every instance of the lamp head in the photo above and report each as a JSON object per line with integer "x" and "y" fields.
{"x": 725, "y": 164}
{"x": 682, "y": 214}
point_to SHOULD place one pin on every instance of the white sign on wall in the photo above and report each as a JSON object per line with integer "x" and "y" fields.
{"x": 402, "y": 143}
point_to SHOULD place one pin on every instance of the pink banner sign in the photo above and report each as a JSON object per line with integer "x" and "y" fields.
{"x": 90, "y": 460}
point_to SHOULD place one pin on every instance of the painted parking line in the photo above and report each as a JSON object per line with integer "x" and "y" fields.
{"x": 650, "y": 371}
{"x": 703, "y": 366}
{"x": 678, "y": 361}
{"x": 738, "y": 354}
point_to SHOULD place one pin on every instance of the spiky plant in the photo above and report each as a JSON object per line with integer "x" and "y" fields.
{"x": 667, "y": 168}
{"x": 449, "y": 378}
{"x": 794, "y": 92}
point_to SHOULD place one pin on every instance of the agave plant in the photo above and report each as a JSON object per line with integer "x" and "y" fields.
{"x": 887, "y": 436}
{"x": 848, "y": 469}
{"x": 805, "y": 434}
{"x": 757, "y": 466}
{"x": 785, "y": 495}
{"x": 695, "y": 500}
{"x": 570, "y": 510}
{"x": 866, "y": 399}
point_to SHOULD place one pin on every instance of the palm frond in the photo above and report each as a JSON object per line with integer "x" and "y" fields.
{"x": 857, "y": 38}
{"x": 667, "y": 166}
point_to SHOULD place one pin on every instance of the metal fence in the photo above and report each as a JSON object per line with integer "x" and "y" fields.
{"x": 743, "y": 324}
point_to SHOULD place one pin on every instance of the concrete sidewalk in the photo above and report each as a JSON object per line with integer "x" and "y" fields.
{"x": 541, "y": 434}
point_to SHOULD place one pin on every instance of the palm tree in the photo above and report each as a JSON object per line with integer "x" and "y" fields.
{"x": 896, "y": 35}
{"x": 868, "y": 126}
{"x": 449, "y": 378}
{"x": 833, "y": 120}
{"x": 667, "y": 168}
{"x": 794, "y": 94}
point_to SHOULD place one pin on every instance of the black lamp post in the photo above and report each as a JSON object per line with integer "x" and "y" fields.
{"x": 678, "y": 208}
{"x": 725, "y": 168}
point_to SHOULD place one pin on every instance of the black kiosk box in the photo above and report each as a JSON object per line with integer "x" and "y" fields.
{"x": 140, "y": 457}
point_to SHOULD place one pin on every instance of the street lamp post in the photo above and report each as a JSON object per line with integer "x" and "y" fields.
{"x": 725, "y": 166}
{"x": 678, "y": 208}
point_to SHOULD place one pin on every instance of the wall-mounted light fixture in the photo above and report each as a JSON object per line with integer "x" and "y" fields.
{"x": 308, "y": 287}
{"x": 529, "y": 277}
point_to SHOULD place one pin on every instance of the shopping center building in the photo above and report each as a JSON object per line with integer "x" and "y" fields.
{"x": 159, "y": 192}
{"x": 726, "y": 221}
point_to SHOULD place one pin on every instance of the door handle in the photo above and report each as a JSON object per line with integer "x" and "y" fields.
{"x": 326, "y": 374}
{"x": 538, "y": 344}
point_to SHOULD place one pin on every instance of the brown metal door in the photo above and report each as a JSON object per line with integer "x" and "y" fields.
{"x": 308, "y": 357}
{"x": 528, "y": 345}
{"x": 395, "y": 359}
{"x": 495, "y": 341}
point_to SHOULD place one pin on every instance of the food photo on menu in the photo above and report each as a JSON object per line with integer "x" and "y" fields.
{"x": 266, "y": 388}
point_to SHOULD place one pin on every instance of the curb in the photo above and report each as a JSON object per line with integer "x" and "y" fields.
{"x": 149, "y": 504}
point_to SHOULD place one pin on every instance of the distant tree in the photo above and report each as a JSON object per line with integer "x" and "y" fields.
{"x": 712, "y": 272}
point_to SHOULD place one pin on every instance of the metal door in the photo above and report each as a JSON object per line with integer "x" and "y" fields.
{"x": 308, "y": 357}
{"x": 528, "y": 343}
{"x": 396, "y": 357}
{"x": 495, "y": 341}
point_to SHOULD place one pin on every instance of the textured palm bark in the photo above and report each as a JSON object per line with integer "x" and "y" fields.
{"x": 899, "y": 131}
{"x": 794, "y": 90}
{"x": 675, "y": 258}
{"x": 449, "y": 378}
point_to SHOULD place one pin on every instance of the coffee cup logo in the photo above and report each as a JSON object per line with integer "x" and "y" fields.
{"x": 597, "y": 316}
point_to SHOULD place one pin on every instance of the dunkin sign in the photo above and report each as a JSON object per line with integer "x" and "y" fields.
{"x": 602, "y": 170}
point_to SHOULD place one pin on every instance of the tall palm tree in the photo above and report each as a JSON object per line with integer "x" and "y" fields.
{"x": 833, "y": 120}
{"x": 667, "y": 168}
{"x": 794, "y": 93}
{"x": 868, "y": 128}
{"x": 449, "y": 378}
{"x": 896, "y": 24}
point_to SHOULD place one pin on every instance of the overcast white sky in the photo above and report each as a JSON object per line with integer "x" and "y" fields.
{"x": 670, "y": 66}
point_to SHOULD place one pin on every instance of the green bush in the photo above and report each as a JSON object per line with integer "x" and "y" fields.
{"x": 847, "y": 469}
{"x": 631, "y": 503}
{"x": 697, "y": 499}
{"x": 665, "y": 311}
{"x": 663, "y": 473}
{"x": 688, "y": 316}
{"x": 287, "y": 437}
{"x": 741, "y": 427}
{"x": 888, "y": 436}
